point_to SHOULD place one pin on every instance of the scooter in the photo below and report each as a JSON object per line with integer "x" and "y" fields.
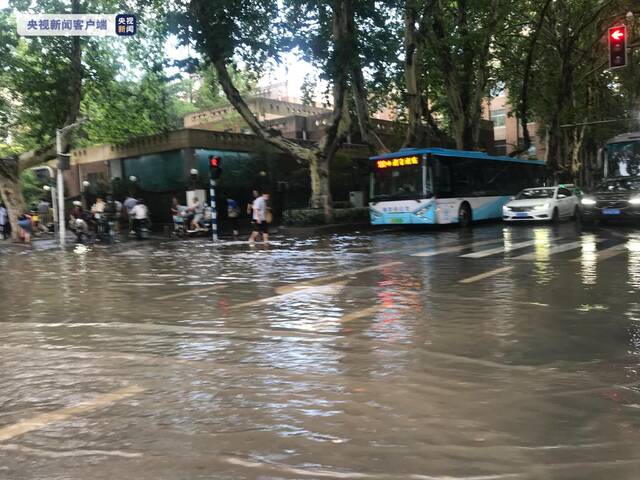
{"x": 141, "y": 228}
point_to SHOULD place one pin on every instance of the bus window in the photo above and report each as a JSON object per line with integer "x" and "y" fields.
{"x": 442, "y": 177}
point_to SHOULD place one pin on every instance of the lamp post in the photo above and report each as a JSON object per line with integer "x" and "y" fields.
{"x": 62, "y": 228}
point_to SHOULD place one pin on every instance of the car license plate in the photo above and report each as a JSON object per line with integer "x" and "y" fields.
{"x": 522, "y": 214}
{"x": 611, "y": 211}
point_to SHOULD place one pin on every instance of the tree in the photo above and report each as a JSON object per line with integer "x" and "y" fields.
{"x": 35, "y": 99}
{"x": 554, "y": 68}
{"x": 226, "y": 30}
{"x": 460, "y": 35}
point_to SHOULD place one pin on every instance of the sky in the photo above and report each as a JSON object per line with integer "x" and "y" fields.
{"x": 292, "y": 70}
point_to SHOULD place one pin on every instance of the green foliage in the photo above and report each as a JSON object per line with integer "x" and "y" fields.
{"x": 32, "y": 187}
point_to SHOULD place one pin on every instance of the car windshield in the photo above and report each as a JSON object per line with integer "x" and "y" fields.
{"x": 620, "y": 185}
{"x": 533, "y": 193}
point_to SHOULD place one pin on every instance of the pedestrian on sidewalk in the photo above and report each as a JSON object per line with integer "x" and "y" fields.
{"x": 260, "y": 216}
{"x": 26, "y": 228}
{"x": 127, "y": 207}
{"x": 43, "y": 213}
{"x": 233, "y": 213}
{"x": 4, "y": 221}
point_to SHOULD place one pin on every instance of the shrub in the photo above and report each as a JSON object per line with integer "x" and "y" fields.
{"x": 314, "y": 216}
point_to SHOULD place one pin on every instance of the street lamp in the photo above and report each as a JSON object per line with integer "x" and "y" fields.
{"x": 193, "y": 177}
{"x": 85, "y": 185}
{"x": 62, "y": 228}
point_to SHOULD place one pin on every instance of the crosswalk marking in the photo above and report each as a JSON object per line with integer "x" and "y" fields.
{"x": 458, "y": 248}
{"x": 601, "y": 255}
{"x": 492, "y": 251}
{"x": 488, "y": 274}
{"x": 557, "y": 249}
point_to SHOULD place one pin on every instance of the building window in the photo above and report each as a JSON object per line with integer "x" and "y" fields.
{"x": 499, "y": 117}
{"x": 500, "y": 147}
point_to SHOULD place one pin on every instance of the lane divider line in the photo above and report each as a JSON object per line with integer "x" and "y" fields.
{"x": 488, "y": 274}
{"x": 317, "y": 283}
{"x": 44, "y": 419}
{"x": 275, "y": 298}
{"x": 605, "y": 254}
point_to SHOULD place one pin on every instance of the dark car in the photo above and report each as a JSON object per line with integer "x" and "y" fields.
{"x": 613, "y": 199}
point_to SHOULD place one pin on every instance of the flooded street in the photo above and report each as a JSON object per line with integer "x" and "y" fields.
{"x": 501, "y": 352}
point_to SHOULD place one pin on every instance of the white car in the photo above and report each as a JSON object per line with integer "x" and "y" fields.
{"x": 542, "y": 203}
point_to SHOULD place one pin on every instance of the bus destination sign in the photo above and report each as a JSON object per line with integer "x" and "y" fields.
{"x": 397, "y": 162}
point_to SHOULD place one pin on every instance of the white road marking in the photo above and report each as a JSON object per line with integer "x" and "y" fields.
{"x": 438, "y": 251}
{"x": 191, "y": 292}
{"x": 558, "y": 249}
{"x": 44, "y": 419}
{"x": 504, "y": 248}
{"x": 328, "y": 288}
{"x": 604, "y": 254}
{"x": 488, "y": 274}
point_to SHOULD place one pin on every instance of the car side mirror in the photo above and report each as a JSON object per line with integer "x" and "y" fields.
{"x": 561, "y": 195}
{"x": 512, "y": 198}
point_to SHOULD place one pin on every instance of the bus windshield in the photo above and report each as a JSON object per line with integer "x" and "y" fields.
{"x": 398, "y": 184}
{"x": 619, "y": 185}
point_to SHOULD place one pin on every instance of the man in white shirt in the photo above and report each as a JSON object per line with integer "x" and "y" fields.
{"x": 260, "y": 225}
{"x": 140, "y": 214}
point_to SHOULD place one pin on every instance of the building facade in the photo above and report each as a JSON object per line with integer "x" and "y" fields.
{"x": 507, "y": 131}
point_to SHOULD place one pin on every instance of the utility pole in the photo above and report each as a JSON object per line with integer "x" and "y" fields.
{"x": 63, "y": 164}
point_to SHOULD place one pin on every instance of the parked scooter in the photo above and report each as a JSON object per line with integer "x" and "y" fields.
{"x": 203, "y": 224}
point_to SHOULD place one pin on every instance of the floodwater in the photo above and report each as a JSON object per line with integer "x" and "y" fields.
{"x": 504, "y": 352}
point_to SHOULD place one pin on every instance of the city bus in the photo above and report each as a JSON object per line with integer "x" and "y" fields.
{"x": 443, "y": 186}
{"x": 621, "y": 156}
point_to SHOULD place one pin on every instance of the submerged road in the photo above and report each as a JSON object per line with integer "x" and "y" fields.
{"x": 501, "y": 352}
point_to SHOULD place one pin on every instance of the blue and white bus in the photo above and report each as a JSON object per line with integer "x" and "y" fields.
{"x": 442, "y": 186}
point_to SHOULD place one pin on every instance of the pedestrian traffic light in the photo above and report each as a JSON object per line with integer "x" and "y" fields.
{"x": 617, "y": 46}
{"x": 215, "y": 166}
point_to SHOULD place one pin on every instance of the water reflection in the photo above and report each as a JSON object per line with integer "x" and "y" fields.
{"x": 589, "y": 260}
{"x": 542, "y": 271}
{"x": 634, "y": 262}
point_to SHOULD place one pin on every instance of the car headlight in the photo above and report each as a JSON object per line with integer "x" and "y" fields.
{"x": 506, "y": 208}
{"x": 635, "y": 201}
{"x": 544, "y": 206}
{"x": 588, "y": 201}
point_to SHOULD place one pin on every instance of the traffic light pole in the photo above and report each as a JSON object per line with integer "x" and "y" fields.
{"x": 214, "y": 213}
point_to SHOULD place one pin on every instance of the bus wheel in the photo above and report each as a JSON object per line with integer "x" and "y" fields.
{"x": 464, "y": 215}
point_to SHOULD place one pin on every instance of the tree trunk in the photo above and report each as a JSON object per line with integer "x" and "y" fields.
{"x": 411, "y": 60}
{"x": 11, "y": 193}
{"x": 321, "y": 193}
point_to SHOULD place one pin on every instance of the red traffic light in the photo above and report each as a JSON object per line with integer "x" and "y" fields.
{"x": 617, "y": 34}
{"x": 214, "y": 161}
{"x": 617, "y": 46}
